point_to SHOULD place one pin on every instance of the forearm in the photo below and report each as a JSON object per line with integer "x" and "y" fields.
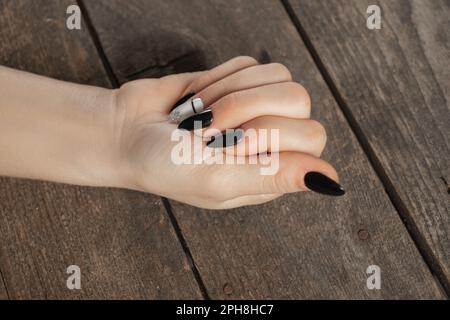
{"x": 57, "y": 131}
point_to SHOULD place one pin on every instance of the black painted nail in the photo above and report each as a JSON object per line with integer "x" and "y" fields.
{"x": 206, "y": 118}
{"x": 229, "y": 138}
{"x": 322, "y": 184}
{"x": 183, "y": 100}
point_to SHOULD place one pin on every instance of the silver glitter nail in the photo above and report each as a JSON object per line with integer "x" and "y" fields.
{"x": 187, "y": 109}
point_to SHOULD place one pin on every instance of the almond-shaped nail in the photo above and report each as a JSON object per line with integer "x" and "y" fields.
{"x": 228, "y": 139}
{"x": 186, "y": 109}
{"x": 320, "y": 183}
{"x": 198, "y": 121}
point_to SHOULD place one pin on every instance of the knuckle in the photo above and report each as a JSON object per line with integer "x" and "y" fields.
{"x": 245, "y": 60}
{"x": 230, "y": 100}
{"x": 279, "y": 183}
{"x": 282, "y": 183}
{"x": 197, "y": 84}
{"x": 270, "y": 185}
{"x": 281, "y": 70}
{"x": 301, "y": 95}
{"x": 307, "y": 102}
{"x": 318, "y": 135}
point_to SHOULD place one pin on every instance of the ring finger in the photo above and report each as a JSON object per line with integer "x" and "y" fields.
{"x": 277, "y": 134}
{"x": 289, "y": 100}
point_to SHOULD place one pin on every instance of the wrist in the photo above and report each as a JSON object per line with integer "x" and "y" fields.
{"x": 105, "y": 164}
{"x": 58, "y": 131}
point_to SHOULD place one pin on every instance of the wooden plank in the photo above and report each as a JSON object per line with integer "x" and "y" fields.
{"x": 303, "y": 245}
{"x": 123, "y": 241}
{"x": 396, "y": 85}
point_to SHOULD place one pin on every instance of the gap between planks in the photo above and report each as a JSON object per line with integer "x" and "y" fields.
{"x": 116, "y": 84}
{"x": 405, "y": 216}
{"x": 8, "y": 297}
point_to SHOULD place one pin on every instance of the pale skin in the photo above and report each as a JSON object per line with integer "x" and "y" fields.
{"x": 76, "y": 134}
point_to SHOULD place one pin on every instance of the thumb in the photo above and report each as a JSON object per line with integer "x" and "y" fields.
{"x": 294, "y": 172}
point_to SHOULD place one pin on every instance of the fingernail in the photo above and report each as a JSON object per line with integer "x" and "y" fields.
{"x": 187, "y": 109}
{"x": 229, "y": 138}
{"x": 183, "y": 100}
{"x": 322, "y": 184}
{"x": 205, "y": 118}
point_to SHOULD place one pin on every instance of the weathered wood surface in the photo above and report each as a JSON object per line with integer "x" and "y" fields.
{"x": 303, "y": 245}
{"x": 3, "y": 292}
{"x": 123, "y": 241}
{"x": 395, "y": 83}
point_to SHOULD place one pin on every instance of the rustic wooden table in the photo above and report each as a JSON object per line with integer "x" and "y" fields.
{"x": 383, "y": 96}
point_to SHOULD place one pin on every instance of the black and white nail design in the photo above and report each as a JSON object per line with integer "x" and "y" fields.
{"x": 200, "y": 120}
{"x": 183, "y": 100}
{"x": 186, "y": 109}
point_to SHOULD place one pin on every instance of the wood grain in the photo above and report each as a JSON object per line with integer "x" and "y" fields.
{"x": 302, "y": 245}
{"x": 3, "y": 292}
{"x": 123, "y": 241}
{"x": 395, "y": 83}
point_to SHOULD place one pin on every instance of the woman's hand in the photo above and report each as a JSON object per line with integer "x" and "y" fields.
{"x": 238, "y": 94}
{"x": 64, "y": 132}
